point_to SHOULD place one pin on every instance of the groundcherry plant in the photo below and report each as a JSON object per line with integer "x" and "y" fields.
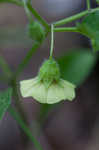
{"x": 57, "y": 78}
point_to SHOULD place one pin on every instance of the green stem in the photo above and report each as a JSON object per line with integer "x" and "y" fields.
{"x": 37, "y": 16}
{"x": 32, "y": 10}
{"x": 52, "y": 41}
{"x": 8, "y": 77}
{"x": 18, "y": 104}
{"x": 27, "y": 10}
{"x": 22, "y": 124}
{"x": 19, "y": 108}
{"x": 26, "y": 59}
{"x": 5, "y": 68}
{"x": 74, "y": 17}
{"x": 88, "y": 4}
{"x": 17, "y": 2}
{"x": 66, "y": 29}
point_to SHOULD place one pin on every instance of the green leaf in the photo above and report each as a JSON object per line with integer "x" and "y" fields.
{"x": 97, "y": 1}
{"x": 90, "y": 28}
{"x": 5, "y": 101}
{"x": 76, "y": 65}
{"x": 36, "y": 31}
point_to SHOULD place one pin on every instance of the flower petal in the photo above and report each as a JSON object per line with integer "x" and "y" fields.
{"x": 69, "y": 90}
{"x": 55, "y": 94}
{"x": 33, "y": 88}
{"x": 39, "y": 92}
{"x": 26, "y": 85}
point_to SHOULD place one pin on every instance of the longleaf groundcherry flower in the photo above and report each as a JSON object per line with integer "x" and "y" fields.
{"x": 48, "y": 87}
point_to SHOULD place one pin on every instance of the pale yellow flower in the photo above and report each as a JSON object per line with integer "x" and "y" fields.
{"x": 56, "y": 92}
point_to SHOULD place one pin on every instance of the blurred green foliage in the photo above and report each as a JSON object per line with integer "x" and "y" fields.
{"x": 76, "y": 65}
{"x": 5, "y": 101}
{"x": 97, "y": 1}
{"x": 90, "y": 28}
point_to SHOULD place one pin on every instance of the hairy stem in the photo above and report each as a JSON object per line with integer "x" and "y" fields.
{"x": 52, "y": 41}
{"x": 24, "y": 127}
{"x": 66, "y": 29}
{"x": 74, "y": 17}
{"x": 37, "y": 16}
{"x": 27, "y": 11}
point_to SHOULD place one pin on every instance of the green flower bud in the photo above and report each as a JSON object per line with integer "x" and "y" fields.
{"x": 36, "y": 31}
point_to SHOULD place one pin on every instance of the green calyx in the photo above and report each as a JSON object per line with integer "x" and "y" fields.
{"x": 36, "y": 31}
{"x": 49, "y": 72}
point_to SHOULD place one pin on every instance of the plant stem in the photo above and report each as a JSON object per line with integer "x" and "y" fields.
{"x": 32, "y": 10}
{"x": 37, "y": 16}
{"x": 19, "y": 107}
{"x": 17, "y": 2}
{"x": 5, "y": 68}
{"x": 66, "y": 29}
{"x": 74, "y": 17}
{"x": 8, "y": 77}
{"x": 26, "y": 59}
{"x": 52, "y": 41}
{"x": 27, "y": 10}
{"x": 24, "y": 127}
{"x": 88, "y": 4}
{"x": 18, "y": 104}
